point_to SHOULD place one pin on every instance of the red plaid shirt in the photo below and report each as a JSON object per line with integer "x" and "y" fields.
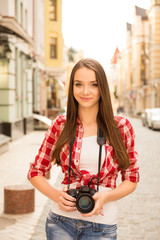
{"x": 109, "y": 170}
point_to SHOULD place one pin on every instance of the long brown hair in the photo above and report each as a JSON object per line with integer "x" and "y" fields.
{"x": 105, "y": 117}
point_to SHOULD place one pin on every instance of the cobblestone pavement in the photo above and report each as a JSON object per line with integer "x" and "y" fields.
{"x": 13, "y": 170}
{"x": 139, "y": 213}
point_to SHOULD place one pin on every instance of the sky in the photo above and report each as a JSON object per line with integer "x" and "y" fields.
{"x": 98, "y": 26}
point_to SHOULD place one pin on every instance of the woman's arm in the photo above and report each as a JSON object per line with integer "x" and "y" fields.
{"x": 125, "y": 188}
{"x": 65, "y": 201}
{"x": 44, "y": 187}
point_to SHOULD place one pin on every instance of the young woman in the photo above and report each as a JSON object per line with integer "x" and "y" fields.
{"x": 88, "y": 109}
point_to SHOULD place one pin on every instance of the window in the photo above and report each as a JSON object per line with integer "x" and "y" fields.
{"x": 53, "y": 48}
{"x": 16, "y": 8}
{"x": 22, "y": 14}
{"x": 52, "y": 10}
{"x": 26, "y": 19}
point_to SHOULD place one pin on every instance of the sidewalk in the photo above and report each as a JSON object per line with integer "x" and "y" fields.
{"x": 14, "y": 167}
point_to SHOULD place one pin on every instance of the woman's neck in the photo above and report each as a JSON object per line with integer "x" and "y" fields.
{"x": 87, "y": 116}
{"x": 89, "y": 122}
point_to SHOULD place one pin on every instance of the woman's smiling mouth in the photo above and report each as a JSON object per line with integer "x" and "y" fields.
{"x": 86, "y": 99}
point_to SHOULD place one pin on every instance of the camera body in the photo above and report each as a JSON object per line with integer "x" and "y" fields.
{"x": 84, "y": 201}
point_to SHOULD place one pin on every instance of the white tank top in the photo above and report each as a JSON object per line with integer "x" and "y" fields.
{"x": 90, "y": 155}
{"x": 89, "y": 162}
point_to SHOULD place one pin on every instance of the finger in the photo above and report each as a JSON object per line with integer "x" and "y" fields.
{"x": 66, "y": 208}
{"x": 90, "y": 214}
{"x": 96, "y": 210}
{"x": 69, "y": 197}
{"x": 66, "y": 201}
{"x": 95, "y": 196}
{"x": 65, "y": 188}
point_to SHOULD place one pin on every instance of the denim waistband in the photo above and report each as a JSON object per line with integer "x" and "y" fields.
{"x": 80, "y": 224}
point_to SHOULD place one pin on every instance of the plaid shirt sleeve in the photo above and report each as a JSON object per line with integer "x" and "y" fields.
{"x": 42, "y": 163}
{"x": 131, "y": 173}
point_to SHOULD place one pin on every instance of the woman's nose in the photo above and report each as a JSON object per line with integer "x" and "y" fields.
{"x": 86, "y": 89}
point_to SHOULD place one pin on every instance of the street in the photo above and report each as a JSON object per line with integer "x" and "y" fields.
{"x": 139, "y": 213}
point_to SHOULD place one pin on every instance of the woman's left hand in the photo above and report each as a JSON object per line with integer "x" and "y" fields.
{"x": 125, "y": 188}
{"x": 99, "y": 202}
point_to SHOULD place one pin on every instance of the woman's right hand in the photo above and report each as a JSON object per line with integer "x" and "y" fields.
{"x": 66, "y": 202}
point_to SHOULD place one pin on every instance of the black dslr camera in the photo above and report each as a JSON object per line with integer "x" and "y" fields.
{"x": 84, "y": 201}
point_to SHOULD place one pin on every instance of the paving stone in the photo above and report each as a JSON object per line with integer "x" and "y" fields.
{"x": 6, "y": 222}
{"x": 152, "y": 235}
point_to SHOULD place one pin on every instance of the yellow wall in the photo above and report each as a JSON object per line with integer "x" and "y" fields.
{"x": 53, "y": 29}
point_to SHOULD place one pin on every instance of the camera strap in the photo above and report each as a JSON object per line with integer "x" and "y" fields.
{"x": 100, "y": 140}
{"x": 70, "y": 160}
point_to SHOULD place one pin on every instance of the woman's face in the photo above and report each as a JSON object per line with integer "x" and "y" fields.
{"x": 85, "y": 88}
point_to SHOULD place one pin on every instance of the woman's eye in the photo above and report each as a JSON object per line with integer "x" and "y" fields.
{"x": 77, "y": 84}
{"x": 95, "y": 84}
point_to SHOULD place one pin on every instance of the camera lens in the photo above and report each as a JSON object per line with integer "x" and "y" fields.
{"x": 85, "y": 203}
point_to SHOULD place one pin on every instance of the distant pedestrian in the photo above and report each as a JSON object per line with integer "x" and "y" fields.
{"x": 91, "y": 145}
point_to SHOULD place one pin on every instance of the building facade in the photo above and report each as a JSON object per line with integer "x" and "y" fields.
{"x": 138, "y": 78}
{"x": 114, "y": 80}
{"x": 54, "y": 55}
{"x": 154, "y": 53}
{"x": 38, "y": 60}
{"x": 16, "y": 47}
{"x": 32, "y": 66}
{"x": 138, "y": 69}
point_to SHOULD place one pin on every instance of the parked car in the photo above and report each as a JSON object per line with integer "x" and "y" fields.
{"x": 145, "y": 116}
{"x": 152, "y": 116}
{"x": 155, "y": 119}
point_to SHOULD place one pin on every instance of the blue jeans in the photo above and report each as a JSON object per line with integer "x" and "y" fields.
{"x": 60, "y": 228}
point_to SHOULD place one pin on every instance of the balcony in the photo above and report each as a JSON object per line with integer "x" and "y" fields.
{"x": 9, "y": 25}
